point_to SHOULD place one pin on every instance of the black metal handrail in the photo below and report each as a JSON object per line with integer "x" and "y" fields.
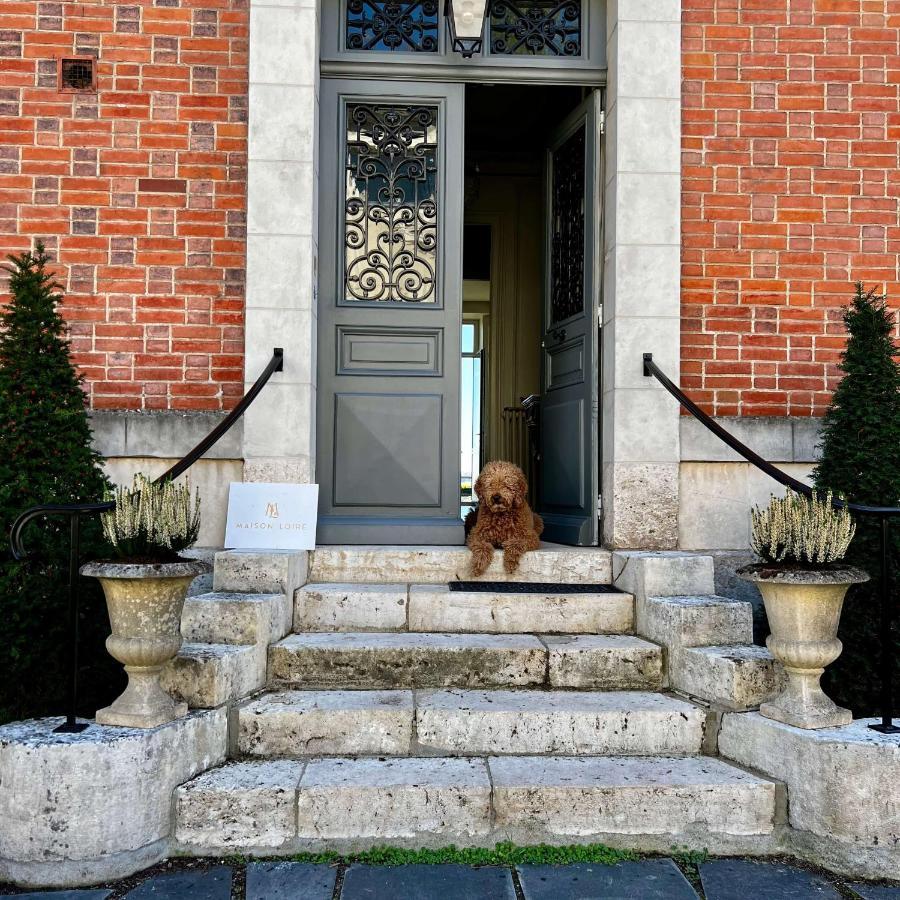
{"x": 74, "y": 512}
{"x": 884, "y": 513}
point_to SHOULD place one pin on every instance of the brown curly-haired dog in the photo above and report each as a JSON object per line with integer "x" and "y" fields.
{"x": 504, "y": 518}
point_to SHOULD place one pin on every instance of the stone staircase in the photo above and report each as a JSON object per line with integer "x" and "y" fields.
{"x": 389, "y": 709}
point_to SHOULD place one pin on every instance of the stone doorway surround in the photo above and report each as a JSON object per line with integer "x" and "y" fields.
{"x": 641, "y": 258}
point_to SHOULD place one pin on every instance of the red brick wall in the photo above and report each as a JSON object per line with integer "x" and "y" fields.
{"x": 138, "y": 188}
{"x": 790, "y": 192}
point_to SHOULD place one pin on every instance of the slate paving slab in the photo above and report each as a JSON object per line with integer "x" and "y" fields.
{"x": 875, "y": 891}
{"x": 65, "y": 895}
{"x": 651, "y": 879}
{"x": 208, "y": 884}
{"x": 423, "y": 882}
{"x": 738, "y": 879}
{"x": 290, "y": 881}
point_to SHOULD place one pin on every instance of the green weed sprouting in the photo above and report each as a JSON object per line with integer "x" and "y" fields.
{"x": 152, "y": 519}
{"x": 805, "y": 530}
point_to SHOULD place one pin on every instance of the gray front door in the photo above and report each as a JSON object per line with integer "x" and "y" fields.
{"x": 389, "y": 312}
{"x": 569, "y": 403}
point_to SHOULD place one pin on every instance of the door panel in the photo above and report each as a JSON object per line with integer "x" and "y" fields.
{"x": 389, "y": 312}
{"x": 569, "y": 405}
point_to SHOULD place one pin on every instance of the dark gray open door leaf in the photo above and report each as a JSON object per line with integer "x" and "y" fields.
{"x": 389, "y": 311}
{"x": 569, "y": 404}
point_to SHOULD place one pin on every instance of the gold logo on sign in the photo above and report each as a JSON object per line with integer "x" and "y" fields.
{"x": 272, "y": 510}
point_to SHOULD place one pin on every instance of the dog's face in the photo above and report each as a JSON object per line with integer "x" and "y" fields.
{"x": 501, "y": 487}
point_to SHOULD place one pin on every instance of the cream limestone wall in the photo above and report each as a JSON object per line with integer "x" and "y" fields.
{"x": 717, "y": 489}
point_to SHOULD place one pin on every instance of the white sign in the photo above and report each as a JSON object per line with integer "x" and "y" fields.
{"x": 271, "y": 516}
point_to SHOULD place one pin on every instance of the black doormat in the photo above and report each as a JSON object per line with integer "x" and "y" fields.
{"x": 531, "y": 587}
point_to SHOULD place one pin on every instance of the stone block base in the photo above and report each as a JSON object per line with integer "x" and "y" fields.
{"x": 843, "y": 791}
{"x": 83, "y": 808}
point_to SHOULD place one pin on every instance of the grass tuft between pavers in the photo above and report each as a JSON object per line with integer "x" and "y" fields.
{"x": 503, "y": 854}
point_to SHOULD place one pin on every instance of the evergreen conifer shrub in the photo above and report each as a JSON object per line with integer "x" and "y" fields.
{"x": 860, "y": 459}
{"x": 46, "y": 457}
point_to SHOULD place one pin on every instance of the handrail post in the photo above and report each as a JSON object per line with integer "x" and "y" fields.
{"x": 886, "y": 725}
{"x": 72, "y": 725}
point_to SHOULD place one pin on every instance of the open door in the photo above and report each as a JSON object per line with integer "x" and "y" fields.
{"x": 569, "y": 342}
{"x": 389, "y": 311}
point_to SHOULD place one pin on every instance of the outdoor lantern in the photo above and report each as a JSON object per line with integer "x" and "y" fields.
{"x": 466, "y": 21}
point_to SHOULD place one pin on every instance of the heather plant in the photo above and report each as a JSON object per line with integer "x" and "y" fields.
{"x": 152, "y": 520}
{"x": 860, "y": 459}
{"x": 45, "y": 457}
{"x": 806, "y": 531}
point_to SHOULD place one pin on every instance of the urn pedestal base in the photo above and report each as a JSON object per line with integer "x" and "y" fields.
{"x": 143, "y": 704}
{"x": 804, "y": 704}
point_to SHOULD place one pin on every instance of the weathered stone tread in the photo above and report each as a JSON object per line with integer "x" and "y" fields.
{"x": 473, "y": 722}
{"x": 375, "y": 660}
{"x": 350, "y": 607}
{"x": 437, "y": 608}
{"x": 320, "y": 723}
{"x": 436, "y": 565}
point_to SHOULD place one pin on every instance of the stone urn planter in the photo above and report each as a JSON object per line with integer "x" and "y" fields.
{"x": 145, "y": 603}
{"x": 803, "y": 606}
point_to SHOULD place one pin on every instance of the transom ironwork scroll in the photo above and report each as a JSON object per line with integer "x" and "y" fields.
{"x": 536, "y": 27}
{"x": 386, "y": 25}
{"x": 567, "y": 236}
{"x": 391, "y": 207}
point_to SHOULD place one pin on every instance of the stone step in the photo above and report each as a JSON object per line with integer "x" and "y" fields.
{"x": 376, "y": 660}
{"x": 422, "y": 660}
{"x": 437, "y": 608}
{"x": 737, "y": 677}
{"x": 570, "y": 723}
{"x": 605, "y": 662}
{"x": 435, "y": 565}
{"x": 225, "y": 617}
{"x": 697, "y": 621}
{"x": 467, "y": 723}
{"x": 208, "y": 675}
{"x": 327, "y": 723}
{"x": 350, "y": 607}
{"x": 588, "y": 797}
{"x": 285, "y": 805}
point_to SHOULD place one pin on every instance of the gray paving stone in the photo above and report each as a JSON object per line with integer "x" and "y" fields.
{"x": 209, "y": 884}
{"x": 650, "y": 879}
{"x": 875, "y": 891}
{"x": 65, "y": 895}
{"x": 738, "y": 879}
{"x": 448, "y": 882}
{"x": 290, "y": 881}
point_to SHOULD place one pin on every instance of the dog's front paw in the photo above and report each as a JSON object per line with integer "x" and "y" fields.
{"x": 481, "y": 559}
{"x": 512, "y": 554}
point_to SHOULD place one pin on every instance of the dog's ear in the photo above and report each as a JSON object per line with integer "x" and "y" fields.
{"x": 521, "y": 489}
{"x": 479, "y": 487}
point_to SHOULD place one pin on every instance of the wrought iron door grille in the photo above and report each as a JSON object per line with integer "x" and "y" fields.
{"x": 567, "y": 236}
{"x": 391, "y": 204}
{"x": 536, "y": 27}
{"x": 410, "y": 26}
